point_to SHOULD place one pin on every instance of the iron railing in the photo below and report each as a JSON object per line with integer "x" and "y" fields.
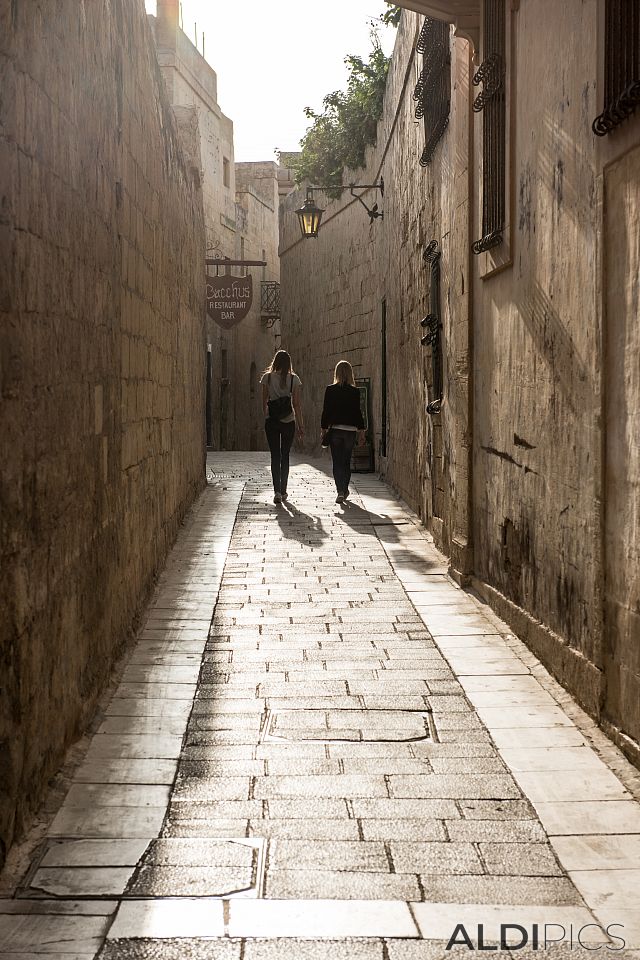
{"x": 433, "y": 324}
{"x": 491, "y": 102}
{"x": 621, "y": 65}
{"x": 433, "y": 90}
{"x": 270, "y": 300}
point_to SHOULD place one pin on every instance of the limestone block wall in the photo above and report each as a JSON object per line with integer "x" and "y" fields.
{"x": 192, "y": 84}
{"x": 621, "y": 548}
{"x": 554, "y": 353}
{"x": 427, "y": 454}
{"x": 102, "y": 375}
{"x": 528, "y": 476}
{"x": 255, "y": 341}
{"x": 537, "y": 403}
{"x": 360, "y": 290}
{"x": 330, "y": 306}
{"x": 240, "y": 214}
{"x": 241, "y": 354}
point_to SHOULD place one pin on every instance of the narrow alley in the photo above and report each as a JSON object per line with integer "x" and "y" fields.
{"x": 383, "y": 705}
{"x": 319, "y": 737}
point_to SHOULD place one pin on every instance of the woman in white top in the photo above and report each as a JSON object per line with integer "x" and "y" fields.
{"x": 282, "y": 405}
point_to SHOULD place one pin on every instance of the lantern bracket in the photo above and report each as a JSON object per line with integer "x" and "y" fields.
{"x": 373, "y": 212}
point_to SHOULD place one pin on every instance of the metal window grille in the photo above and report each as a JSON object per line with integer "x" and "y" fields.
{"x": 433, "y": 90}
{"x": 433, "y": 323}
{"x": 621, "y": 64}
{"x": 491, "y": 102}
{"x": 270, "y": 299}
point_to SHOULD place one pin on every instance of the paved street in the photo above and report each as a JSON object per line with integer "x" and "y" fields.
{"x": 319, "y": 737}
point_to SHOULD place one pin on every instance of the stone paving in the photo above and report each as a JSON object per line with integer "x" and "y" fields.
{"x": 321, "y": 746}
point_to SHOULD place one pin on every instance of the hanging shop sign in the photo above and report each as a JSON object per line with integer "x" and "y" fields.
{"x": 229, "y": 299}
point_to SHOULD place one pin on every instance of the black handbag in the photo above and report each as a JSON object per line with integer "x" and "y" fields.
{"x": 281, "y": 407}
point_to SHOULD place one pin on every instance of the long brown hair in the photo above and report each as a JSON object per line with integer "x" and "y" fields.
{"x": 281, "y": 364}
{"x": 343, "y": 373}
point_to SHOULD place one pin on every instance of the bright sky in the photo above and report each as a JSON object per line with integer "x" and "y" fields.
{"x": 273, "y": 59}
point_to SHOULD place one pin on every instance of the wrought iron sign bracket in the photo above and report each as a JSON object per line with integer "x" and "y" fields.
{"x": 225, "y": 262}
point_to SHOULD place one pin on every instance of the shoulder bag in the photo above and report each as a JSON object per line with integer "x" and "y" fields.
{"x": 280, "y": 407}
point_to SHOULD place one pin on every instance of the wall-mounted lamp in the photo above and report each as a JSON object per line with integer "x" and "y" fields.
{"x": 309, "y": 215}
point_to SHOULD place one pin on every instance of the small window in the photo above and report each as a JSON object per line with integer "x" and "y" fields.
{"x": 621, "y": 64}
{"x": 491, "y": 103}
{"x": 226, "y": 172}
{"x": 433, "y": 90}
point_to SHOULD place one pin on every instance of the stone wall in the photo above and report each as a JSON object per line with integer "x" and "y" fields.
{"x": 192, "y": 84}
{"x": 553, "y": 355}
{"x": 255, "y": 341}
{"x": 621, "y": 547}
{"x": 528, "y": 475}
{"x": 241, "y": 219}
{"x": 335, "y": 289}
{"x": 102, "y": 376}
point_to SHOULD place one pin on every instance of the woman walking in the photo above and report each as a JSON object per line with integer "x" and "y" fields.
{"x": 282, "y": 410}
{"x": 342, "y": 421}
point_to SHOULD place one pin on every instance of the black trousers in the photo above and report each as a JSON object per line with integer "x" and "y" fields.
{"x": 279, "y": 437}
{"x": 341, "y": 443}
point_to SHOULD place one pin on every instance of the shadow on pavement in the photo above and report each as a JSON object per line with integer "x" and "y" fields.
{"x": 295, "y": 524}
{"x": 358, "y": 517}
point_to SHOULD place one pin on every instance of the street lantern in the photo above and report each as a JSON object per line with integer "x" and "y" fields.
{"x": 309, "y": 216}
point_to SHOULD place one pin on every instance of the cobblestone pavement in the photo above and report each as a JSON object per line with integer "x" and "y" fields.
{"x": 322, "y": 747}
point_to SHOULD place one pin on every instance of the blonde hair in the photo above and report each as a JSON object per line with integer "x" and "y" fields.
{"x": 281, "y": 364}
{"x": 344, "y": 373}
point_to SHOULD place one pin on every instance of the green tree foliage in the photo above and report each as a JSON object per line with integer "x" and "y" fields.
{"x": 339, "y": 135}
{"x": 392, "y": 14}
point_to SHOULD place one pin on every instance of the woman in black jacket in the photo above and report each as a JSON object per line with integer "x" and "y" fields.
{"x": 342, "y": 420}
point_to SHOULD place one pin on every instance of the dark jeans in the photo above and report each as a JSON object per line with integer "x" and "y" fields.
{"x": 341, "y": 443}
{"x": 279, "y": 437}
